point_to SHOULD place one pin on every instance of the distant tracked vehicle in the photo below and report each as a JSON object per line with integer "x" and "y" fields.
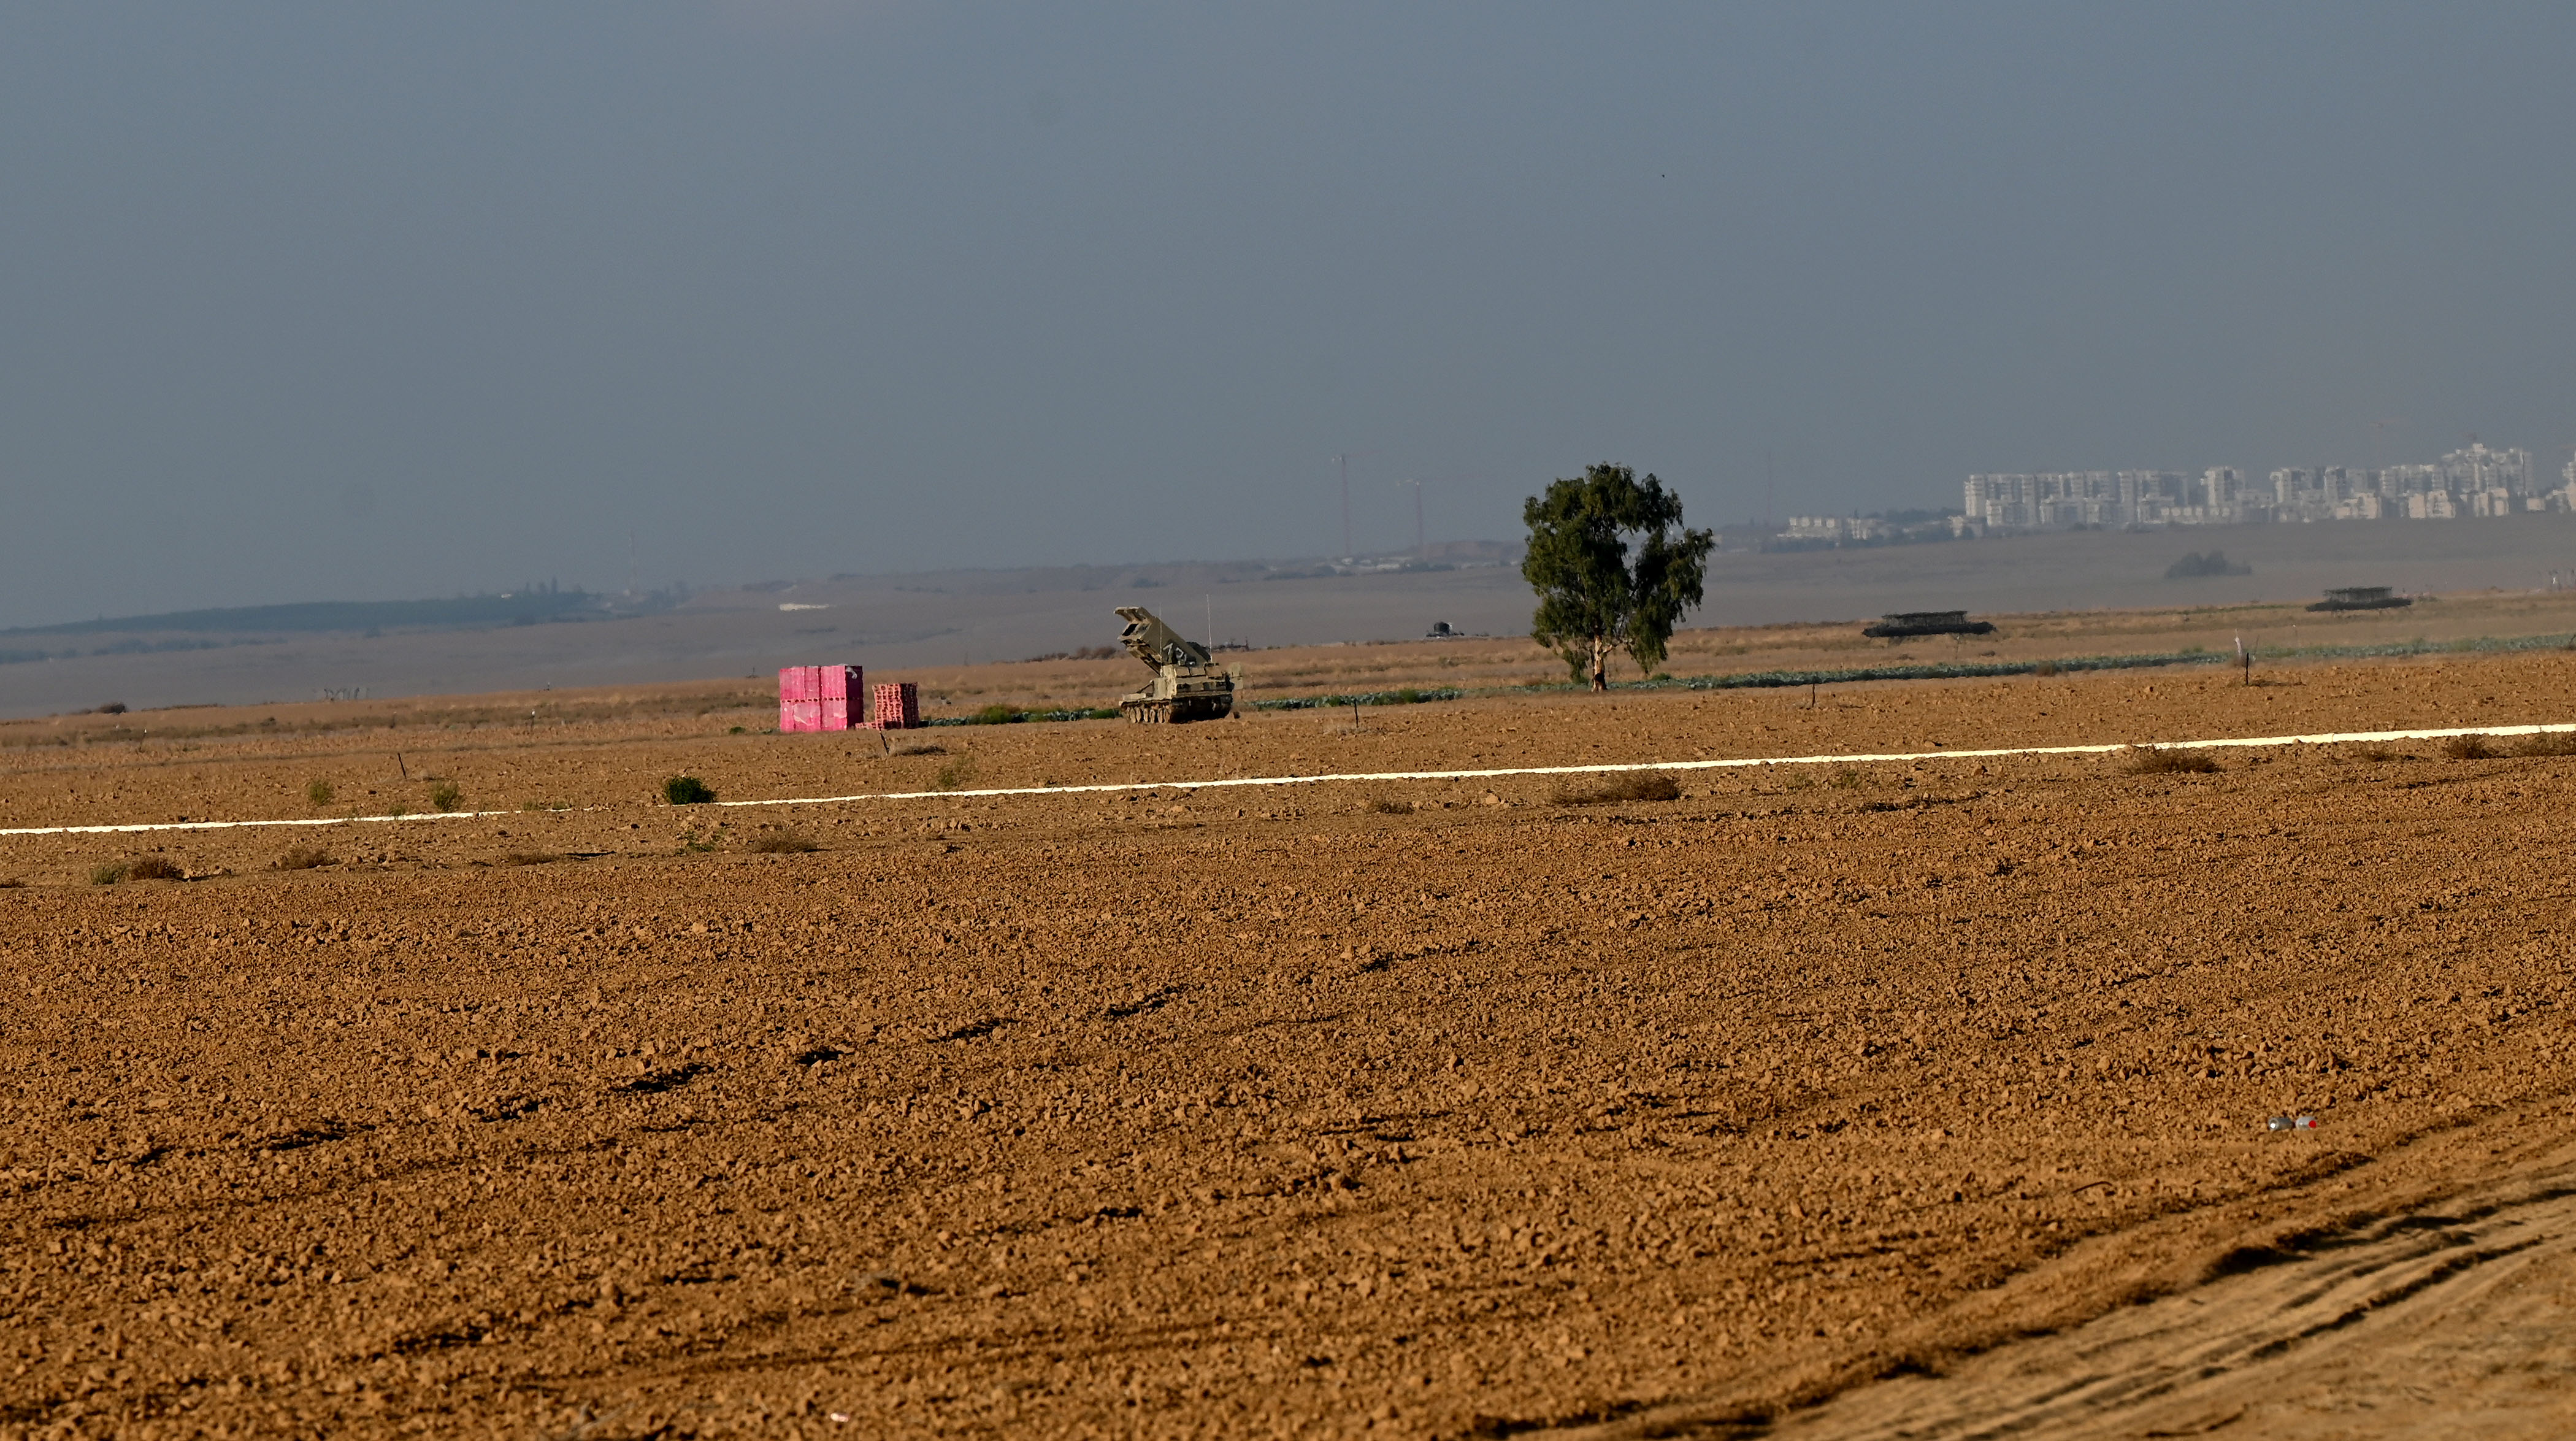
{"x": 2363, "y": 597}
{"x": 1187, "y": 687}
{"x": 1927, "y": 622}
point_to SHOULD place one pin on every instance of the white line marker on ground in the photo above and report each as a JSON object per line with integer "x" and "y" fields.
{"x": 2249, "y": 742}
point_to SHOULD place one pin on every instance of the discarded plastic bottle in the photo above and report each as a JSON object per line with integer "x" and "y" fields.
{"x": 2293, "y": 1123}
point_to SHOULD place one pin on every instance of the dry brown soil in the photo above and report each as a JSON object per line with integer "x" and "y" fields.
{"x": 1262, "y": 1112}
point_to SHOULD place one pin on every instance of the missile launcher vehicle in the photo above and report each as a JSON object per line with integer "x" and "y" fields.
{"x": 1187, "y": 686}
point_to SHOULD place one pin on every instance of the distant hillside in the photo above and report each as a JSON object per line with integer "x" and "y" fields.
{"x": 469, "y": 612}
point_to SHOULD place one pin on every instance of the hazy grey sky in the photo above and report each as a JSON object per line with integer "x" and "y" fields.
{"x": 339, "y": 301}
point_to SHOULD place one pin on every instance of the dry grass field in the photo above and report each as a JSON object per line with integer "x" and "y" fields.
{"x": 1427, "y": 1108}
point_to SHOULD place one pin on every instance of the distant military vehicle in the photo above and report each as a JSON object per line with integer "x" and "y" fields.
{"x": 1927, "y": 622}
{"x": 1187, "y": 687}
{"x": 2363, "y": 597}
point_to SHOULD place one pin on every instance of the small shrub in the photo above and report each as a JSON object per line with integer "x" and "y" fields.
{"x": 529, "y": 858}
{"x": 997, "y": 714}
{"x": 1385, "y": 807}
{"x": 114, "y": 707}
{"x": 305, "y": 858}
{"x": 154, "y": 868}
{"x": 443, "y": 796}
{"x": 2163, "y": 761}
{"x": 1846, "y": 779}
{"x": 922, "y": 748}
{"x": 318, "y": 792}
{"x": 780, "y": 843}
{"x": 687, "y": 791}
{"x": 398, "y": 811}
{"x": 106, "y": 875}
{"x": 737, "y": 730}
{"x": 956, "y": 773}
{"x": 1631, "y": 786}
{"x": 2547, "y": 743}
{"x": 2046, "y": 667}
{"x": 2470, "y": 748}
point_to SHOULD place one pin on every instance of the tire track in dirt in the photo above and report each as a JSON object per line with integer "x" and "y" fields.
{"x": 2437, "y": 1320}
{"x": 2451, "y": 1315}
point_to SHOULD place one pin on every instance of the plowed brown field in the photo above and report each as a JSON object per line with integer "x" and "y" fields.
{"x": 1432, "y": 1109}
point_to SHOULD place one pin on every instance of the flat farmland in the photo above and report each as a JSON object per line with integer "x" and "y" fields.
{"x": 1421, "y": 1108}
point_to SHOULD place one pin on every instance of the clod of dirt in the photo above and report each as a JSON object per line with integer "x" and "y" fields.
{"x": 886, "y": 1283}
{"x": 1153, "y": 1002}
{"x": 665, "y": 1080}
{"x": 2165, "y": 760}
{"x": 1632, "y": 786}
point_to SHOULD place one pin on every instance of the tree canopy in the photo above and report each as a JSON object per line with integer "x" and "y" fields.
{"x": 1592, "y": 600}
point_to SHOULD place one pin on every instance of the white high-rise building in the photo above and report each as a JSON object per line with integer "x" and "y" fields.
{"x": 2467, "y": 472}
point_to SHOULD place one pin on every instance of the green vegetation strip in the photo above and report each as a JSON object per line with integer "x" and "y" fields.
{"x": 994, "y": 715}
{"x": 1843, "y": 675}
{"x": 2050, "y": 665}
{"x": 1934, "y": 670}
{"x": 1003, "y": 715}
{"x": 1408, "y": 695}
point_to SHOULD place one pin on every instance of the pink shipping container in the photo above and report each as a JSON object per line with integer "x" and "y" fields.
{"x": 842, "y": 694}
{"x": 817, "y": 697}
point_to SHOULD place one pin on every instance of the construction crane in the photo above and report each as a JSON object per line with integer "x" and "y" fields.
{"x": 1421, "y": 536}
{"x": 1344, "y": 461}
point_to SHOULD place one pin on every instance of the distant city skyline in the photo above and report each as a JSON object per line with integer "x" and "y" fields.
{"x": 2473, "y": 481}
